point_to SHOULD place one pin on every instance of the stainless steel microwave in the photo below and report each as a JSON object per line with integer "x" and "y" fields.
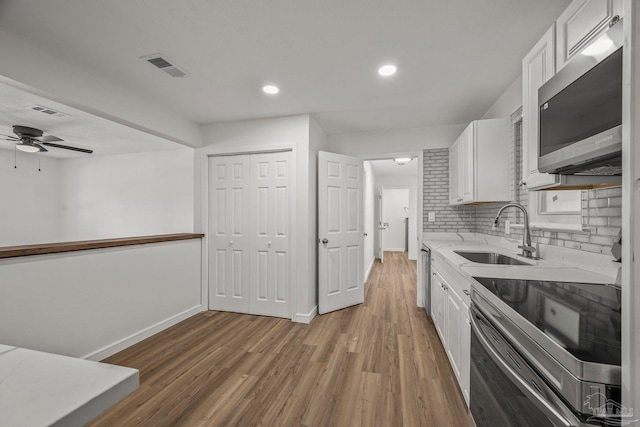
{"x": 580, "y": 112}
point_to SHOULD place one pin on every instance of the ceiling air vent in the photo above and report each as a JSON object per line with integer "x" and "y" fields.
{"x": 48, "y": 111}
{"x": 162, "y": 63}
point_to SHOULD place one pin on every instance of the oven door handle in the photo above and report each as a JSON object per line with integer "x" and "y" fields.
{"x": 555, "y": 410}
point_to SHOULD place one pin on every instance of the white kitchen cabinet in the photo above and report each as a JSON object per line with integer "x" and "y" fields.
{"x": 580, "y": 23}
{"x": 454, "y": 330}
{"x": 455, "y": 187}
{"x": 466, "y": 158}
{"x": 537, "y": 67}
{"x": 465, "y": 352}
{"x": 438, "y": 305}
{"x": 479, "y": 163}
{"x": 450, "y": 316}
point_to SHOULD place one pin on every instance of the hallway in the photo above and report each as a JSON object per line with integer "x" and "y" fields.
{"x": 377, "y": 364}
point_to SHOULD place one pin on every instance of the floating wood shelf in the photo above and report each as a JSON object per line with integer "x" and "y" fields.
{"x": 52, "y": 248}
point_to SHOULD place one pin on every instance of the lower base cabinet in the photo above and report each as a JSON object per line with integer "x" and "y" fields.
{"x": 451, "y": 318}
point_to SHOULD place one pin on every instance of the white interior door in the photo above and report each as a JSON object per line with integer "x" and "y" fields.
{"x": 381, "y": 226}
{"x": 229, "y": 234}
{"x": 340, "y": 231}
{"x": 250, "y": 206}
{"x": 271, "y": 258}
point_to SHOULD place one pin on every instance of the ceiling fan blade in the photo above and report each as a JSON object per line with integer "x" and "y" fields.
{"x": 50, "y": 138}
{"x": 42, "y": 149}
{"x": 10, "y": 137}
{"x": 67, "y": 147}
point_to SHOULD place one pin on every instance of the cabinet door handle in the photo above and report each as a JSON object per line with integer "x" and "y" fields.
{"x": 466, "y": 292}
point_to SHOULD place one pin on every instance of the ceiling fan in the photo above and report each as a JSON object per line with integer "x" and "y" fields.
{"x": 31, "y": 140}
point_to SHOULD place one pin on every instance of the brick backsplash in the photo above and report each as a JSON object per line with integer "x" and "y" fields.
{"x": 436, "y": 196}
{"x": 601, "y": 208}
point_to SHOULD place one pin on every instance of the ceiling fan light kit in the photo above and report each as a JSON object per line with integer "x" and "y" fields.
{"x": 30, "y": 140}
{"x": 28, "y": 147}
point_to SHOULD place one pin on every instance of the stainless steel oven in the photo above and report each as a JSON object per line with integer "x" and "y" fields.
{"x": 545, "y": 354}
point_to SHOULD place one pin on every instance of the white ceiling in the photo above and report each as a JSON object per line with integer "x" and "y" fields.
{"x": 454, "y": 57}
{"x": 78, "y": 129}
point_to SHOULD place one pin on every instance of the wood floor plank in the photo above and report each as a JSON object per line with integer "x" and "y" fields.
{"x": 380, "y": 363}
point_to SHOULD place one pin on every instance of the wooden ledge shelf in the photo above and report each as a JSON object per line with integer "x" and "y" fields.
{"x": 53, "y": 248}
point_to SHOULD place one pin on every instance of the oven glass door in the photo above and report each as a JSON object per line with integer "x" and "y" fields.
{"x": 504, "y": 389}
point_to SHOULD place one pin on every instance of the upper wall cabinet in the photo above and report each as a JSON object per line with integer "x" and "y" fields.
{"x": 479, "y": 163}
{"x": 537, "y": 67}
{"x": 581, "y": 23}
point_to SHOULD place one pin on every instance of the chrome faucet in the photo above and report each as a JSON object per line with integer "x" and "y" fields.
{"x": 527, "y": 249}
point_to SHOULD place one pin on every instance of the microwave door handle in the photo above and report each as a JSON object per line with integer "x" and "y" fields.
{"x": 555, "y": 410}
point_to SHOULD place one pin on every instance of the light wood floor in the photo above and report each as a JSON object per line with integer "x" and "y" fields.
{"x": 377, "y": 364}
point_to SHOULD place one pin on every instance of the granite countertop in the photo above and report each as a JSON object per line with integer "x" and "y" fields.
{"x": 541, "y": 269}
{"x": 44, "y": 389}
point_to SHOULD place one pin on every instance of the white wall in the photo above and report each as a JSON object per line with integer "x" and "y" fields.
{"x": 631, "y": 207}
{"x": 394, "y": 141}
{"x": 29, "y": 209}
{"x": 509, "y": 101}
{"x": 94, "y": 303}
{"x": 126, "y": 195}
{"x": 411, "y": 182}
{"x": 370, "y": 225}
{"x": 317, "y": 142}
{"x": 265, "y": 134}
{"x": 58, "y": 80}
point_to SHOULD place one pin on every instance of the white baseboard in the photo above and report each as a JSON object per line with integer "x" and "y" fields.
{"x": 366, "y": 276}
{"x": 394, "y": 250}
{"x": 306, "y": 318}
{"x": 112, "y": 349}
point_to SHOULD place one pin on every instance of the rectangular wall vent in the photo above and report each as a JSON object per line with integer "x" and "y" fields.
{"x": 162, "y": 63}
{"x": 48, "y": 111}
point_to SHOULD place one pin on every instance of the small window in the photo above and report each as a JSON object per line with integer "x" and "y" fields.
{"x": 557, "y": 209}
{"x": 560, "y": 202}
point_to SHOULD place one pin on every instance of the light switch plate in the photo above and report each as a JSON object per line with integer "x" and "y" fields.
{"x": 507, "y": 227}
{"x": 432, "y": 217}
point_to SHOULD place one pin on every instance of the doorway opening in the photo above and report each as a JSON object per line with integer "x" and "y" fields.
{"x": 390, "y": 187}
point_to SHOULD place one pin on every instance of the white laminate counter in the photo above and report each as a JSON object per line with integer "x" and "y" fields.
{"x": 537, "y": 270}
{"x": 44, "y": 389}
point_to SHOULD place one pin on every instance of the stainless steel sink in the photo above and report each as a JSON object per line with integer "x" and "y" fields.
{"x": 490, "y": 258}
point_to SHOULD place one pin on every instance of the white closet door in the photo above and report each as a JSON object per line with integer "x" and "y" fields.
{"x": 229, "y": 233}
{"x": 250, "y": 262}
{"x": 270, "y": 255}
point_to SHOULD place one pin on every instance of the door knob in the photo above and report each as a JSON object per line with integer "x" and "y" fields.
{"x": 325, "y": 241}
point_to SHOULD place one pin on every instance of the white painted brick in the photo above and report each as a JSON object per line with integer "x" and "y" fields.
{"x": 602, "y": 240}
{"x": 591, "y": 248}
{"x": 608, "y": 231}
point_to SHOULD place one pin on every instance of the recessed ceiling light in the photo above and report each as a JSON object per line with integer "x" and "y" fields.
{"x": 270, "y": 89}
{"x": 387, "y": 70}
{"x": 402, "y": 159}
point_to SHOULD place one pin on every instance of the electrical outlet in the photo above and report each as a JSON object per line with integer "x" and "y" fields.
{"x": 432, "y": 217}
{"x": 507, "y": 227}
